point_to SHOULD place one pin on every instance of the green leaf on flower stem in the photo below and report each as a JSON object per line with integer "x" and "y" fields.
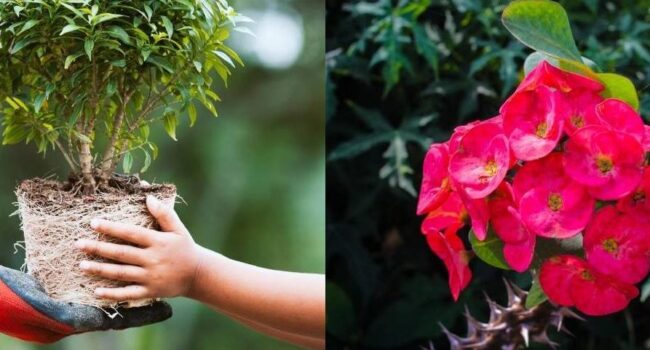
{"x": 169, "y": 27}
{"x": 618, "y": 86}
{"x": 536, "y": 295}
{"x": 543, "y": 26}
{"x": 489, "y": 250}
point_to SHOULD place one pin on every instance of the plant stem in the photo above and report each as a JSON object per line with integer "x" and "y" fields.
{"x": 108, "y": 159}
{"x": 86, "y": 163}
{"x": 66, "y": 155}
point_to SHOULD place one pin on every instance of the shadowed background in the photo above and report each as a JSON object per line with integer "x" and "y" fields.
{"x": 402, "y": 74}
{"x": 253, "y": 178}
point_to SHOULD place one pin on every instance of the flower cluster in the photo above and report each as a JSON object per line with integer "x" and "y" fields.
{"x": 559, "y": 162}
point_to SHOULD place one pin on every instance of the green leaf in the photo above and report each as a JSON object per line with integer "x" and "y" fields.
{"x": 28, "y": 25}
{"x": 119, "y": 33}
{"x": 38, "y": 102}
{"x": 191, "y": 112}
{"x": 169, "y": 27}
{"x": 618, "y": 86}
{"x": 543, "y": 26}
{"x": 89, "y": 45}
{"x": 105, "y": 17}
{"x": 127, "y": 163}
{"x": 536, "y": 295}
{"x": 147, "y": 161}
{"x": 70, "y": 60}
{"x": 489, "y": 250}
{"x": 20, "y": 44}
{"x": 69, "y": 28}
{"x": 170, "y": 122}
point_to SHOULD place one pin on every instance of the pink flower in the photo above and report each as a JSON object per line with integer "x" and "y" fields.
{"x": 619, "y": 116}
{"x": 639, "y": 197}
{"x": 646, "y": 138}
{"x": 580, "y": 109}
{"x": 479, "y": 213}
{"x": 532, "y": 121}
{"x": 607, "y": 161}
{"x": 435, "y": 178}
{"x": 481, "y": 161}
{"x": 520, "y": 255}
{"x": 617, "y": 244}
{"x": 570, "y": 281}
{"x": 450, "y": 213}
{"x": 551, "y": 205}
{"x": 546, "y": 74}
{"x": 450, "y": 249}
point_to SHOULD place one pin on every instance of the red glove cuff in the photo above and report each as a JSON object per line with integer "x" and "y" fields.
{"x": 19, "y": 319}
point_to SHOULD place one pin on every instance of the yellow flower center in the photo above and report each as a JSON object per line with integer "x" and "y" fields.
{"x": 491, "y": 169}
{"x": 586, "y": 275}
{"x": 610, "y": 245}
{"x": 555, "y": 202}
{"x": 604, "y": 163}
{"x": 542, "y": 128}
{"x": 577, "y": 121}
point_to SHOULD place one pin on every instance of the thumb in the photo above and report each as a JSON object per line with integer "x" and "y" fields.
{"x": 165, "y": 215}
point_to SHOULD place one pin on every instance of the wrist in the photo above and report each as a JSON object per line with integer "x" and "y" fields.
{"x": 207, "y": 262}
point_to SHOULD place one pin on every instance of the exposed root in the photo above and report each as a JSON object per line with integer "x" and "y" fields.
{"x": 55, "y": 215}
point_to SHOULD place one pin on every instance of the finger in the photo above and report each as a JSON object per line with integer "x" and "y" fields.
{"x": 130, "y": 233}
{"x": 118, "y": 252}
{"x": 127, "y": 273}
{"x": 124, "y": 293}
{"x": 165, "y": 215}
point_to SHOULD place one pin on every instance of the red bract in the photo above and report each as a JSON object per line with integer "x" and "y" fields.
{"x": 552, "y": 204}
{"x": 580, "y": 110}
{"x": 479, "y": 214}
{"x": 481, "y": 161}
{"x": 435, "y": 178}
{"x": 537, "y": 169}
{"x": 607, "y": 161}
{"x": 570, "y": 281}
{"x": 638, "y": 199}
{"x": 532, "y": 122}
{"x": 448, "y": 247}
{"x": 546, "y": 74}
{"x": 450, "y": 213}
{"x": 619, "y": 116}
{"x": 617, "y": 245}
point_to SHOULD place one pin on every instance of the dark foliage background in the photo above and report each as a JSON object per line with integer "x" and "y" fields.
{"x": 402, "y": 74}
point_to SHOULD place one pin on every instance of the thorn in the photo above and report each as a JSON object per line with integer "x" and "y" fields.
{"x": 544, "y": 339}
{"x": 525, "y": 335}
{"x": 565, "y": 311}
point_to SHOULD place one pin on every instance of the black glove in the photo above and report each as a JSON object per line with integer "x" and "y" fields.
{"x": 26, "y": 312}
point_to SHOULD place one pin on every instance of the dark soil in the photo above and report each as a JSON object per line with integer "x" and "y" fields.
{"x": 118, "y": 185}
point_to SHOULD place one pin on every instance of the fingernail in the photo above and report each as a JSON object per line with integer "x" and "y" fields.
{"x": 81, "y": 244}
{"x": 153, "y": 202}
{"x": 94, "y": 223}
{"x": 99, "y": 291}
{"x": 84, "y": 265}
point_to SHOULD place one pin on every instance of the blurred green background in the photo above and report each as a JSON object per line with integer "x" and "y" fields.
{"x": 253, "y": 178}
{"x": 402, "y": 74}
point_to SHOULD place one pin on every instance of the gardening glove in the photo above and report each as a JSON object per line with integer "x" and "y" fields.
{"x": 27, "y": 313}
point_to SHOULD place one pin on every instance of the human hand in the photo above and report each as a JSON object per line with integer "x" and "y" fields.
{"x": 161, "y": 264}
{"x": 28, "y": 313}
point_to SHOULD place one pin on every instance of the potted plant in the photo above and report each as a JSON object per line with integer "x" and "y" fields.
{"x": 88, "y": 79}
